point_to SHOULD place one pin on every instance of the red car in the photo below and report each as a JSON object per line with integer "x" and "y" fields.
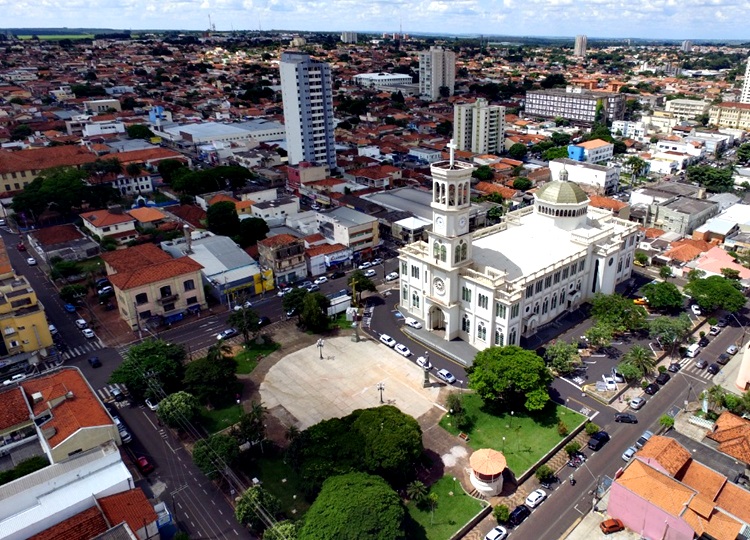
{"x": 21, "y": 247}
{"x": 611, "y": 526}
{"x": 144, "y": 465}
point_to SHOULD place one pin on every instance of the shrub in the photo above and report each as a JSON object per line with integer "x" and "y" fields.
{"x": 644, "y": 383}
{"x": 592, "y": 428}
{"x": 562, "y": 428}
{"x": 572, "y": 447}
{"x": 454, "y": 402}
{"x": 544, "y": 472}
{"x": 666, "y": 421}
{"x": 662, "y": 369}
{"x": 501, "y": 513}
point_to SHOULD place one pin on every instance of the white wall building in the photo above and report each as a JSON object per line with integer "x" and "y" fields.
{"x": 437, "y": 68}
{"x": 604, "y": 179}
{"x": 379, "y": 80}
{"x": 349, "y": 37}
{"x": 745, "y": 95}
{"x": 479, "y": 127}
{"x": 630, "y": 130}
{"x": 500, "y": 283}
{"x": 581, "y": 44}
{"x": 687, "y": 109}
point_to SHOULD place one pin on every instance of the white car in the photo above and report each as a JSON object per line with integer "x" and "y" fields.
{"x": 403, "y": 350}
{"x": 377, "y": 260}
{"x": 535, "y": 498}
{"x": 732, "y": 349}
{"x": 628, "y": 454}
{"x": 224, "y": 334}
{"x": 52, "y": 329}
{"x": 393, "y": 276}
{"x": 695, "y": 309}
{"x": 609, "y": 382}
{"x": 88, "y": 333}
{"x": 151, "y": 405}
{"x": 80, "y": 323}
{"x": 370, "y": 273}
{"x": 714, "y": 331}
{"x": 31, "y": 261}
{"x": 424, "y": 363}
{"x": 365, "y": 265}
{"x": 388, "y": 340}
{"x": 282, "y": 292}
{"x": 320, "y": 280}
{"x": 446, "y": 375}
{"x": 498, "y": 533}
{"x": 414, "y": 323}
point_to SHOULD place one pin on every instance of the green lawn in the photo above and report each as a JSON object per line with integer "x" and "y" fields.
{"x": 280, "y": 480}
{"x": 217, "y": 419}
{"x": 451, "y": 513}
{"x": 341, "y": 322}
{"x": 248, "y": 358}
{"x": 527, "y": 438}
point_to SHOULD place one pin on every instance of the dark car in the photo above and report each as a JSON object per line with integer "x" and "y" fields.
{"x": 701, "y": 363}
{"x": 337, "y": 274}
{"x": 674, "y": 368}
{"x": 263, "y": 321}
{"x": 703, "y": 341}
{"x": 722, "y": 322}
{"x": 723, "y": 359}
{"x": 598, "y": 440}
{"x": 713, "y": 369}
{"x": 663, "y": 378}
{"x": 651, "y": 389}
{"x": 95, "y": 362}
{"x": 518, "y": 514}
{"x": 626, "y": 418}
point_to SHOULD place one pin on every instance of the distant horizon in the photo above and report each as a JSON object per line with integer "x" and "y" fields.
{"x": 718, "y": 20}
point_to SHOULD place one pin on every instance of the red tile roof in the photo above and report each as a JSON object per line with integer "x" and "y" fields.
{"x": 14, "y": 409}
{"x": 190, "y": 213}
{"x": 58, "y": 234}
{"x": 41, "y": 159}
{"x": 324, "y": 249}
{"x": 131, "y": 507}
{"x": 82, "y": 526}
{"x": 279, "y": 240}
{"x": 105, "y": 218}
{"x": 140, "y": 265}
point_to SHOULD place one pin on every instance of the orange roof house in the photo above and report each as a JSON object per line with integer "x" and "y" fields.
{"x": 732, "y": 432}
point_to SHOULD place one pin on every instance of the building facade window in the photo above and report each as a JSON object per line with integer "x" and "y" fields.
{"x": 553, "y": 302}
{"x": 529, "y": 290}
{"x": 499, "y": 338}
{"x": 500, "y": 310}
{"x": 466, "y": 324}
{"x": 482, "y": 332}
{"x": 512, "y": 337}
{"x": 545, "y": 306}
{"x": 465, "y": 294}
{"x": 483, "y": 301}
{"x": 415, "y": 300}
{"x": 548, "y": 282}
{"x": 189, "y": 285}
{"x": 403, "y": 268}
{"x": 514, "y": 311}
{"x": 415, "y": 272}
{"x": 538, "y": 286}
{"x": 141, "y": 298}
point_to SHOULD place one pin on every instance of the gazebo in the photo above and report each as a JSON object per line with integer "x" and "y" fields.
{"x": 487, "y": 466}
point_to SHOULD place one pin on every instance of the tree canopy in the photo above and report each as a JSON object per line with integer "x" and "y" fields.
{"x": 618, "y": 312}
{"x": 359, "y": 282}
{"x": 517, "y": 151}
{"x": 355, "y": 506}
{"x": 211, "y": 455}
{"x": 562, "y": 357}
{"x": 670, "y": 331}
{"x": 178, "y": 409}
{"x": 314, "y": 315}
{"x": 246, "y": 508}
{"x": 222, "y": 218}
{"x": 151, "y": 366}
{"x": 663, "y": 295}
{"x": 212, "y": 379}
{"x": 246, "y": 321}
{"x": 716, "y": 292}
{"x": 139, "y": 131}
{"x": 715, "y": 180}
{"x": 511, "y": 376}
{"x": 251, "y": 231}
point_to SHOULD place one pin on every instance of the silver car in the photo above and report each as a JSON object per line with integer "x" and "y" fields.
{"x": 628, "y": 454}
{"x": 637, "y": 402}
{"x": 446, "y": 375}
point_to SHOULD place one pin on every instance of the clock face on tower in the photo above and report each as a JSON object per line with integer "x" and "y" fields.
{"x": 462, "y": 223}
{"x": 440, "y": 221}
{"x": 439, "y": 286}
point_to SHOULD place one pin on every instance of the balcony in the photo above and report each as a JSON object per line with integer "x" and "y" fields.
{"x": 167, "y": 299}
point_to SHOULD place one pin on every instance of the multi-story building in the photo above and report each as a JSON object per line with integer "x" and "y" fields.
{"x": 479, "y": 127}
{"x": 731, "y": 115}
{"x": 630, "y": 130}
{"x": 489, "y": 287}
{"x": 745, "y": 94}
{"x": 580, "y": 46}
{"x": 19, "y": 168}
{"x": 437, "y": 69}
{"x": 307, "y": 95}
{"x": 686, "y": 46}
{"x": 575, "y": 104}
{"x": 285, "y": 255}
{"x": 671, "y": 206}
{"x": 594, "y": 151}
{"x": 604, "y": 179}
{"x": 356, "y": 230}
{"x": 349, "y": 37}
{"x": 687, "y": 109}
{"x": 111, "y": 223}
{"x": 379, "y": 80}
{"x": 151, "y": 286}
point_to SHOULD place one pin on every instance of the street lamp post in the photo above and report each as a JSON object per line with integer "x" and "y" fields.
{"x": 319, "y": 345}
{"x": 511, "y": 419}
{"x": 381, "y": 387}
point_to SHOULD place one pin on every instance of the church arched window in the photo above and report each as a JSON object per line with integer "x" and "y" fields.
{"x": 464, "y": 251}
{"x": 499, "y": 338}
{"x": 466, "y": 324}
{"x": 457, "y": 255}
{"x": 442, "y": 253}
{"x": 482, "y": 332}
{"x": 436, "y": 249}
{"x": 451, "y": 195}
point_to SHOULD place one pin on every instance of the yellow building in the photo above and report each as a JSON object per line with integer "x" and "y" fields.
{"x": 731, "y": 115}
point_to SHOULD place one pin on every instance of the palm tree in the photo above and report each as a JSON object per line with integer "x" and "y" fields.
{"x": 636, "y": 166}
{"x": 217, "y": 351}
{"x": 292, "y": 432}
{"x": 641, "y": 358}
{"x": 715, "y": 396}
{"x": 416, "y": 491}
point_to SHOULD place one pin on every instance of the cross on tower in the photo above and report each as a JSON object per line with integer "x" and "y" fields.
{"x": 453, "y": 147}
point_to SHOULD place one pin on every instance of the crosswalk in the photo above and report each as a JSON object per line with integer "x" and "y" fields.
{"x": 688, "y": 366}
{"x": 106, "y": 395}
{"x": 80, "y": 350}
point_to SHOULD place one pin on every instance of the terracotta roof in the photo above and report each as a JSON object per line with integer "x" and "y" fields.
{"x": 735, "y": 500}
{"x": 14, "y": 409}
{"x": 87, "y": 524}
{"x": 71, "y": 414}
{"x": 40, "y": 159}
{"x": 131, "y": 507}
{"x": 105, "y": 218}
{"x": 705, "y": 481}
{"x": 324, "y": 249}
{"x": 655, "y": 487}
{"x": 706, "y": 520}
{"x": 146, "y": 214}
{"x": 222, "y": 198}
{"x": 487, "y": 187}
{"x": 279, "y": 240}
{"x": 606, "y": 202}
{"x": 140, "y": 265}
{"x": 50, "y": 236}
{"x": 684, "y": 251}
{"x": 733, "y": 435}
{"x": 652, "y": 232}
{"x": 315, "y": 237}
{"x": 5, "y": 266}
{"x": 596, "y": 143}
{"x": 191, "y": 213}
{"x": 668, "y": 452}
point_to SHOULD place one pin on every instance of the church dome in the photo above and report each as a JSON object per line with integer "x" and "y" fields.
{"x": 561, "y": 193}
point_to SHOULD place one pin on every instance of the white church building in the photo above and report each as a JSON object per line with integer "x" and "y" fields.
{"x": 494, "y": 285}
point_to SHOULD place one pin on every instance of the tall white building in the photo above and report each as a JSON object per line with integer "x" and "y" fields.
{"x": 580, "y": 46}
{"x": 437, "y": 69}
{"x": 745, "y": 96}
{"x": 479, "y": 127}
{"x": 307, "y": 95}
{"x": 349, "y": 37}
{"x": 497, "y": 284}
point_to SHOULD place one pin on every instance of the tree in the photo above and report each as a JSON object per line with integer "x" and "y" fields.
{"x": 213, "y": 454}
{"x": 743, "y": 153}
{"x": 715, "y": 180}
{"x": 359, "y": 283}
{"x": 666, "y": 421}
{"x": 517, "y": 151}
{"x": 212, "y": 379}
{"x": 663, "y": 295}
{"x": 554, "y": 80}
{"x": 416, "y": 491}
{"x": 640, "y": 358}
{"x": 641, "y": 257}
{"x": 670, "y": 331}
{"x": 282, "y": 530}
{"x": 665, "y": 272}
{"x": 246, "y": 321}
{"x": 600, "y": 335}
{"x": 251, "y": 231}
{"x": 150, "y": 368}
{"x": 715, "y": 397}
{"x": 694, "y": 274}
{"x": 562, "y": 357}
{"x": 251, "y": 426}
{"x": 636, "y": 166}
{"x": 63, "y": 187}
{"x": 314, "y": 315}
{"x": 483, "y": 172}
{"x": 355, "y": 505}
{"x": 178, "y": 409}
{"x": 544, "y": 472}
{"x": 560, "y": 139}
{"x": 730, "y": 273}
{"x": 246, "y": 509}
{"x": 133, "y": 170}
{"x": 222, "y": 218}
{"x": 555, "y": 153}
{"x": 716, "y": 292}
{"x": 511, "y": 376}
{"x": 20, "y": 132}
{"x": 293, "y": 300}
{"x": 629, "y": 371}
{"x": 618, "y": 312}
{"x": 501, "y": 513}
{"x": 71, "y": 293}
{"x": 168, "y": 167}
{"x": 139, "y": 131}
{"x": 522, "y": 184}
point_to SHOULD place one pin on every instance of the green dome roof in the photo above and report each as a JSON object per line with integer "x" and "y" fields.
{"x": 561, "y": 193}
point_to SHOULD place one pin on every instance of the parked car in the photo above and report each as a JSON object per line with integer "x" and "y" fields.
{"x": 651, "y": 389}
{"x": 628, "y": 454}
{"x": 446, "y": 375}
{"x": 94, "y": 362}
{"x": 714, "y": 331}
{"x": 313, "y": 287}
{"x": 88, "y": 333}
{"x": 498, "y": 533}
{"x": 609, "y": 383}
{"x": 144, "y": 465}
{"x": 518, "y": 514}
{"x": 305, "y": 285}
{"x": 700, "y": 363}
{"x": 263, "y": 321}
{"x": 31, "y": 261}
{"x": 723, "y": 322}
{"x": 70, "y": 308}
{"x": 388, "y": 340}
{"x": 723, "y": 359}
{"x": 617, "y": 376}
{"x": 20, "y": 246}
{"x": 393, "y": 276}
{"x": 626, "y": 418}
{"x": 320, "y": 280}
{"x": 414, "y": 323}
{"x": 116, "y": 393}
{"x": 80, "y": 323}
{"x": 610, "y": 526}
{"x": 224, "y": 334}
{"x": 424, "y": 363}
{"x": 713, "y": 369}
{"x": 637, "y": 402}
{"x": 337, "y": 274}
{"x": 703, "y": 342}
{"x": 674, "y": 367}
{"x": 403, "y": 350}
{"x": 52, "y": 329}
{"x": 151, "y": 405}
{"x": 283, "y": 291}
{"x": 14, "y": 379}
{"x": 377, "y": 260}
{"x": 695, "y": 309}
{"x": 643, "y": 439}
{"x": 598, "y": 440}
{"x": 662, "y": 378}
{"x": 536, "y": 498}
{"x": 732, "y": 349}
{"x": 641, "y": 301}
{"x": 364, "y": 265}
{"x": 370, "y": 273}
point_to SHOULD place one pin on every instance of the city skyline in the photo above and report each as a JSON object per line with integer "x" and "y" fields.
{"x": 648, "y": 19}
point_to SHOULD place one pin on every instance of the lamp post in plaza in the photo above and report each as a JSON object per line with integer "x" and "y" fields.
{"x": 381, "y": 387}
{"x": 319, "y": 345}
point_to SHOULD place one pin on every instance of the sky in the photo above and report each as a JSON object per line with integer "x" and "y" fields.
{"x": 651, "y": 19}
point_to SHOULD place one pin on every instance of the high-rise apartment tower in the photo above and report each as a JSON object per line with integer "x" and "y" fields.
{"x": 307, "y": 94}
{"x": 745, "y": 96}
{"x": 437, "y": 69}
{"x": 580, "y": 47}
{"x": 479, "y": 127}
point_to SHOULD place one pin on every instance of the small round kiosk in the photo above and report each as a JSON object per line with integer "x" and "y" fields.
{"x": 487, "y": 466}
